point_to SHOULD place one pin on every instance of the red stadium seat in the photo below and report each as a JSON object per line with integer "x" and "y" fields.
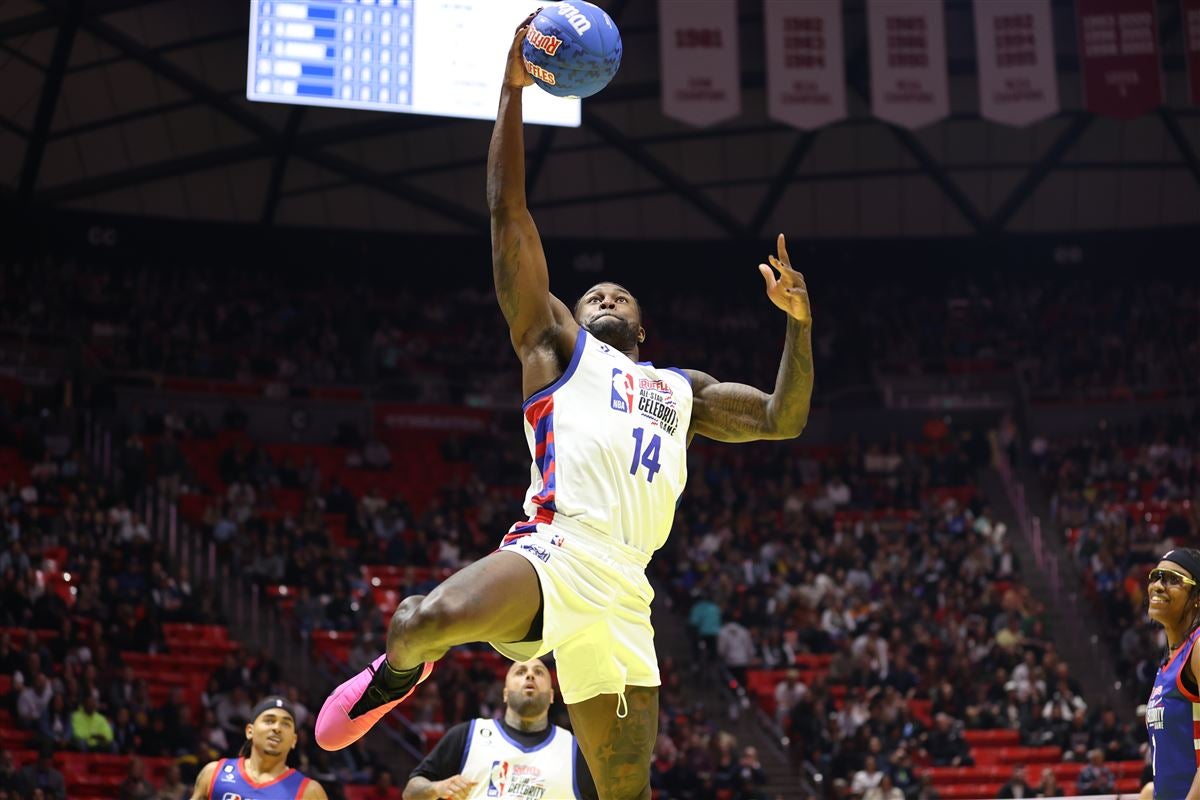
{"x": 969, "y": 791}
{"x": 992, "y": 738}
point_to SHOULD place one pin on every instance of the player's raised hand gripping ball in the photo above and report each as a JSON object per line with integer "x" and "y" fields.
{"x": 572, "y": 49}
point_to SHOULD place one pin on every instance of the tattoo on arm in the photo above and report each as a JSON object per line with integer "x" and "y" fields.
{"x": 734, "y": 412}
{"x": 507, "y": 266}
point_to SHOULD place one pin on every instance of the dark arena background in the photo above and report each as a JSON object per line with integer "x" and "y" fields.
{"x": 255, "y": 389}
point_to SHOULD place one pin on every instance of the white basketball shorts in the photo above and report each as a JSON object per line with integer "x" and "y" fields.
{"x": 596, "y": 611}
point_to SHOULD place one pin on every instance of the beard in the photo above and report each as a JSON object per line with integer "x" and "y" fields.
{"x": 529, "y": 706}
{"x": 615, "y": 332}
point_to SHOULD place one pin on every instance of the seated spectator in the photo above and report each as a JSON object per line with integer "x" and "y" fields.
{"x": 1096, "y": 778}
{"x": 90, "y": 730}
{"x": 946, "y": 745}
{"x": 55, "y": 725}
{"x": 173, "y": 787}
{"x": 750, "y": 780}
{"x": 33, "y": 701}
{"x": 11, "y": 780}
{"x": 869, "y": 777}
{"x": 1048, "y": 785}
{"x": 41, "y": 775}
{"x": 886, "y": 790}
{"x": 1017, "y": 786}
{"x": 135, "y": 786}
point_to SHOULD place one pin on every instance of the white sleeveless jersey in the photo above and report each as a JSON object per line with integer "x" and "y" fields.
{"x": 504, "y": 768}
{"x": 609, "y": 447}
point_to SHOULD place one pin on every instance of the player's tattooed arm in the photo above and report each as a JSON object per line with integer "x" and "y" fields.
{"x": 734, "y": 412}
{"x": 518, "y": 261}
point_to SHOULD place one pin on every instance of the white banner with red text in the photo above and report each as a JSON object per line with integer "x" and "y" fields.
{"x": 701, "y": 78}
{"x": 1018, "y": 83}
{"x": 806, "y": 71}
{"x": 909, "y": 84}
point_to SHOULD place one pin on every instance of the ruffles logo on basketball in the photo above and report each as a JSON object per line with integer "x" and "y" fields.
{"x": 543, "y": 41}
{"x": 541, "y": 73}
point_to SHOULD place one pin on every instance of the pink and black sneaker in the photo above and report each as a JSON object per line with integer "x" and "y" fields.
{"x": 354, "y": 707}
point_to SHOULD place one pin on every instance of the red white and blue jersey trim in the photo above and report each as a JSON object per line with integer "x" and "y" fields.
{"x": 608, "y": 444}
{"x": 230, "y": 782}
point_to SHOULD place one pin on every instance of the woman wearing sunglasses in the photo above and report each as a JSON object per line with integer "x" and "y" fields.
{"x": 1174, "y": 708}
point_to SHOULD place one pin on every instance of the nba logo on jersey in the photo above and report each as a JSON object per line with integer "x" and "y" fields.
{"x": 231, "y": 796}
{"x": 622, "y": 390}
{"x": 498, "y": 779}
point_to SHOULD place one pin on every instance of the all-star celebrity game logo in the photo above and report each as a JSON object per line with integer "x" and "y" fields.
{"x": 650, "y": 397}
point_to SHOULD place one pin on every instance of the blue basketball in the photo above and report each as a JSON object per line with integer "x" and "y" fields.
{"x": 572, "y": 49}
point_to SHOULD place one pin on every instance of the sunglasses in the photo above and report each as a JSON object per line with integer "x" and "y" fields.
{"x": 1169, "y": 577}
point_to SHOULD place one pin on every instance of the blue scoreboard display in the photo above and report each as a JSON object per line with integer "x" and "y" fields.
{"x": 439, "y": 57}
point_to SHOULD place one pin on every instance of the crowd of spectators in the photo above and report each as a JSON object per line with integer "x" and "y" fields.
{"x": 1121, "y": 496}
{"x": 83, "y": 589}
{"x": 289, "y": 327}
{"x": 777, "y": 552}
{"x": 915, "y": 609}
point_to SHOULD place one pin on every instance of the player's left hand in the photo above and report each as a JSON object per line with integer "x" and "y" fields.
{"x": 788, "y": 291}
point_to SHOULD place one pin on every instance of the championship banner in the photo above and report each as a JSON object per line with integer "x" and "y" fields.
{"x": 806, "y": 74}
{"x": 1191, "y": 41}
{"x": 701, "y": 80}
{"x": 909, "y": 86}
{"x": 1018, "y": 83}
{"x": 1119, "y": 59}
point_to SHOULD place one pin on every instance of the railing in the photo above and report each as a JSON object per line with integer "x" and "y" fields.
{"x": 250, "y": 615}
{"x": 1054, "y": 567}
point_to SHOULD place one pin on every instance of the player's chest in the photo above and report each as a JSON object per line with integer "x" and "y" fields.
{"x": 614, "y": 398}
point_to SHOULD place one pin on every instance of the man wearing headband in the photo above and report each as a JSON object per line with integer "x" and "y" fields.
{"x": 522, "y": 755}
{"x": 1174, "y": 603}
{"x": 260, "y": 772}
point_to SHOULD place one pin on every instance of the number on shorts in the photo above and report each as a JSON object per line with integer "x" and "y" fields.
{"x": 647, "y": 458}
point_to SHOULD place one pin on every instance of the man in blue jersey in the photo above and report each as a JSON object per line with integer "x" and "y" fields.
{"x": 521, "y": 755}
{"x": 261, "y": 771}
{"x": 608, "y": 437}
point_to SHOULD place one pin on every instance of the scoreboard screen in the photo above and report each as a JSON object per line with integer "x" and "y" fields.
{"x": 438, "y": 57}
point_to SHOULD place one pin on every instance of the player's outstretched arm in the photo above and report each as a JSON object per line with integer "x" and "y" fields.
{"x": 203, "y": 781}
{"x": 518, "y": 261}
{"x": 734, "y": 412}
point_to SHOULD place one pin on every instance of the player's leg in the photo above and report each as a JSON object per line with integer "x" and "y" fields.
{"x": 618, "y": 750}
{"x": 497, "y": 598}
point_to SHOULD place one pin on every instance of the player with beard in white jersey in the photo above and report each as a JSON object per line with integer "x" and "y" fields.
{"x": 608, "y": 435}
{"x": 519, "y": 755}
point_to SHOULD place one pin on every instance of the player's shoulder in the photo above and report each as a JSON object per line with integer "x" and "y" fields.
{"x": 313, "y": 791}
{"x": 204, "y": 778}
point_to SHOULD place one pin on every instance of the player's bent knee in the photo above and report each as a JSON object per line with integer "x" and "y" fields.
{"x": 432, "y": 620}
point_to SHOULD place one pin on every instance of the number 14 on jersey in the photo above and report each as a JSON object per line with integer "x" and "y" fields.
{"x": 647, "y": 457}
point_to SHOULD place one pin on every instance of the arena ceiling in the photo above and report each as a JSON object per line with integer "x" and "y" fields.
{"x": 138, "y": 107}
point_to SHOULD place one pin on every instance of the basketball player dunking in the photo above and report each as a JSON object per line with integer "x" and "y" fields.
{"x": 608, "y": 436}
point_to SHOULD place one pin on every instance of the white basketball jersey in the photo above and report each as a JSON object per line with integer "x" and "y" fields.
{"x": 609, "y": 447}
{"x": 502, "y": 767}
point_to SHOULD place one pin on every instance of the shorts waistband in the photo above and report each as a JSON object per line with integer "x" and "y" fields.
{"x": 591, "y": 539}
